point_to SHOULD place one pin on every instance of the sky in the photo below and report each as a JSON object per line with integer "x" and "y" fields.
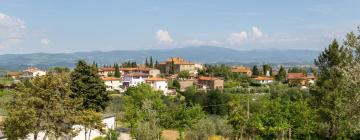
{"x": 28, "y": 26}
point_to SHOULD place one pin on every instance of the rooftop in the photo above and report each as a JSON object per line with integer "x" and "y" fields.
{"x": 203, "y": 78}
{"x": 292, "y": 76}
{"x": 156, "y": 79}
{"x": 110, "y": 78}
{"x": 263, "y": 78}
{"x": 177, "y": 61}
{"x": 241, "y": 69}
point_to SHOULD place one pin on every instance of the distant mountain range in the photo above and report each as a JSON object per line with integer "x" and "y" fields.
{"x": 203, "y": 54}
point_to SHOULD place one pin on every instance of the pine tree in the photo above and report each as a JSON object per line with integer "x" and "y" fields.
{"x": 86, "y": 84}
{"x": 117, "y": 71}
{"x": 330, "y": 96}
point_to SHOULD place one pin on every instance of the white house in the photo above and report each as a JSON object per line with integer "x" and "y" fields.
{"x": 134, "y": 79}
{"x": 264, "y": 80}
{"x": 108, "y": 120}
{"x": 32, "y": 72}
{"x": 158, "y": 84}
{"x": 113, "y": 83}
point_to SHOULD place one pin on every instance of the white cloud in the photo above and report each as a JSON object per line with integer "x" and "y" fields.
{"x": 44, "y": 41}
{"x": 12, "y": 30}
{"x": 237, "y": 37}
{"x": 202, "y": 42}
{"x": 164, "y": 37}
{"x": 257, "y": 32}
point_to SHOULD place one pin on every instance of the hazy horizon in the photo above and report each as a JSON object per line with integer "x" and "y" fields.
{"x": 83, "y": 26}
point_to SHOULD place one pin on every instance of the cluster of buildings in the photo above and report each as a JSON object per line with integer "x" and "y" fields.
{"x": 291, "y": 78}
{"x": 158, "y": 78}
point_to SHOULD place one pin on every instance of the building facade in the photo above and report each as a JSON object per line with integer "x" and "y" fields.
{"x": 175, "y": 65}
{"x": 210, "y": 83}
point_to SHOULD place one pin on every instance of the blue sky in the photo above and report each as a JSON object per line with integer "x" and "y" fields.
{"x": 85, "y": 25}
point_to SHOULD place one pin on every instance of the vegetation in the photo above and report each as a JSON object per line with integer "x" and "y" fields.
{"x": 87, "y": 85}
{"x": 243, "y": 110}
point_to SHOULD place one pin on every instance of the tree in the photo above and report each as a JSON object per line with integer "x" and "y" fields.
{"x": 146, "y": 63}
{"x": 90, "y": 120}
{"x": 87, "y": 85}
{"x": 237, "y": 118}
{"x": 151, "y": 64}
{"x": 184, "y": 74}
{"x": 59, "y": 70}
{"x": 141, "y": 105}
{"x": 202, "y": 130}
{"x": 329, "y": 94}
{"x": 267, "y": 69}
{"x": 297, "y": 70}
{"x": 216, "y": 103}
{"x": 281, "y": 76}
{"x": 117, "y": 71}
{"x": 157, "y": 65}
{"x": 255, "y": 71}
{"x": 184, "y": 117}
{"x": 44, "y": 105}
{"x": 172, "y": 67}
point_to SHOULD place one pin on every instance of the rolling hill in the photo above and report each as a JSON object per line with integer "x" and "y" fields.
{"x": 203, "y": 54}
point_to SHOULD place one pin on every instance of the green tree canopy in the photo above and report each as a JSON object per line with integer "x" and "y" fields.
{"x": 87, "y": 85}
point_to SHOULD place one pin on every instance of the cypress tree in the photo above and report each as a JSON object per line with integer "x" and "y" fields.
{"x": 151, "y": 62}
{"x": 156, "y": 64}
{"x": 146, "y": 63}
{"x": 281, "y": 76}
{"x": 255, "y": 71}
{"x": 117, "y": 71}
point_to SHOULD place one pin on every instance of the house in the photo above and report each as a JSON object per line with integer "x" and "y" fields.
{"x": 184, "y": 84}
{"x": 31, "y": 72}
{"x": 210, "y": 83}
{"x": 112, "y": 83}
{"x": 310, "y": 79}
{"x": 13, "y": 75}
{"x": 158, "y": 83}
{"x": 242, "y": 70}
{"x": 134, "y": 79}
{"x": 175, "y": 65}
{"x": 108, "y": 121}
{"x": 296, "y": 78}
{"x": 106, "y": 71}
{"x": 151, "y": 71}
{"x": 264, "y": 80}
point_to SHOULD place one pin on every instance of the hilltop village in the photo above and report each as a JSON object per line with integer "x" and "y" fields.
{"x": 177, "y": 74}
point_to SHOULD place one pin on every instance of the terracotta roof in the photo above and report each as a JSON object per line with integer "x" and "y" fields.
{"x": 13, "y": 73}
{"x": 292, "y": 76}
{"x": 241, "y": 69}
{"x": 106, "y": 69}
{"x": 110, "y": 78}
{"x": 136, "y": 74}
{"x": 203, "y": 78}
{"x": 32, "y": 69}
{"x": 156, "y": 79}
{"x": 177, "y": 61}
{"x": 135, "y": 69}
{"x": 263, "y": 78}
{"x": 310, "y": 77}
